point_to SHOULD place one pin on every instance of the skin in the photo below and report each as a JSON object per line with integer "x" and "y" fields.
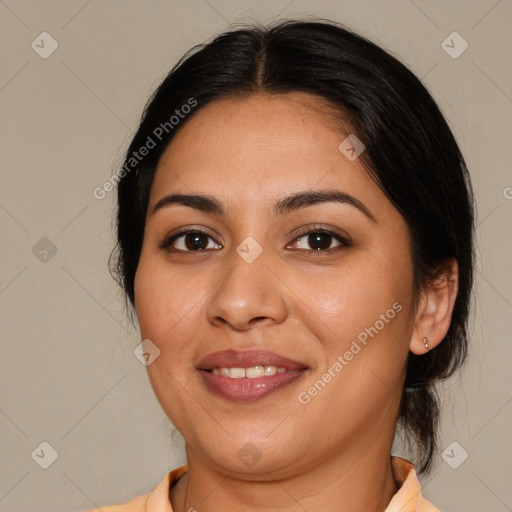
{"x": 308, "y": 305}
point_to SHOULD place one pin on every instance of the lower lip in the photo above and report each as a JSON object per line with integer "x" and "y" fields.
{"x": 245, "y": 389}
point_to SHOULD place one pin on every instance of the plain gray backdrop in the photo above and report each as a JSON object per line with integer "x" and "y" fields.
{"x": 74, "y": 78}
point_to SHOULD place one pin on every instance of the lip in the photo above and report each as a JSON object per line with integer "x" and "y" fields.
{"x": 246, "y": 359}
{"x": 246, "y": 389}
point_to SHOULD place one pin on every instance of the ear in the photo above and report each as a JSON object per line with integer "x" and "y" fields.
{"x": 434, "y": 313}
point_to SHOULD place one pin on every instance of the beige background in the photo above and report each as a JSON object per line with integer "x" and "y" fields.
{"x": 68, "y": 375}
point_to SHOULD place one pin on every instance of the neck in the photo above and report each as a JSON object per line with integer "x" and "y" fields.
{"x": 353, "y": 480}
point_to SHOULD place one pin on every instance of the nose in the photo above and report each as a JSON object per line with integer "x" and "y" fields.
{"x": 249, "y": 294}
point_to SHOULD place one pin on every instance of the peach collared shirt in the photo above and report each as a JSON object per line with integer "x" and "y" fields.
{"x": 407, "y": 499}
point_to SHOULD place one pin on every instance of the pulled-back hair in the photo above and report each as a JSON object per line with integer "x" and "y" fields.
{"x": 410, "y": 153}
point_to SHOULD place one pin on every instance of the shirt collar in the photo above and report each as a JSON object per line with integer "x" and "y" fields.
{"x": 408, "y": 498}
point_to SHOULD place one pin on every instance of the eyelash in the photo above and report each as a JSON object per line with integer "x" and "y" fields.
{"x": 344, "y": 242}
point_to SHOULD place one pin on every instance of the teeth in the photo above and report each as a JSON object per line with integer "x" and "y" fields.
{"x": 236, "y": 373}
{"x": 255, "y": 371}
{"x": 270, "y": 370}
{"x": 252, "y": 373}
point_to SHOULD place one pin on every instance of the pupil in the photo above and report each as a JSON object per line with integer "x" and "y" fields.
{"x": 320, "y": 241}
{"x": 195, "y": 241}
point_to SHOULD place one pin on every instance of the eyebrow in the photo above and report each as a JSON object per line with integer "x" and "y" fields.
{"x": 283, "y": 206}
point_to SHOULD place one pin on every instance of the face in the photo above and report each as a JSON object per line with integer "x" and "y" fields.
{"x": 276, "y": 280}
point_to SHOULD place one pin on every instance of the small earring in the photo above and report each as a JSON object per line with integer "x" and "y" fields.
{"x": 425, "y": 342}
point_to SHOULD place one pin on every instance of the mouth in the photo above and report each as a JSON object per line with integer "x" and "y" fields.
{"x": 250, "y": 375}
{"x": 252, "y": 372}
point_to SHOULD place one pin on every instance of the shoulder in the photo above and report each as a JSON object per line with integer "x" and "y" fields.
{"x": 409, "y": 496}
{"x": 156, "y": 501}
{"x": 137, "y": 504}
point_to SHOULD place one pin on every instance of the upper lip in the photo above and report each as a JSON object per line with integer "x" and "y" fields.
{"x": 246, "y": 359}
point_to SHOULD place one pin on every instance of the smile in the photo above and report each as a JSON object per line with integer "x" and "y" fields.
{"x": 251, "y": 373}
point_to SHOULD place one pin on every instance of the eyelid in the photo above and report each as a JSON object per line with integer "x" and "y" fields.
{"x": 185, "y": 230}
{"x": 341, "y": 236}
{"x": 321, "y": 228}
{"x": 344, "y": 241}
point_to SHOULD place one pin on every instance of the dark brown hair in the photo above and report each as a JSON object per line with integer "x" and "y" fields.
{"x": 410, "y": 153}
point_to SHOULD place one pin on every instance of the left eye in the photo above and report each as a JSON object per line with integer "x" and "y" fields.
{"x": 193, "y": 241}
{"x": 319, "y": 241}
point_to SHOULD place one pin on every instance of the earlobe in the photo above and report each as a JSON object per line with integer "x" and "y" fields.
{"x": 434, "y": 313}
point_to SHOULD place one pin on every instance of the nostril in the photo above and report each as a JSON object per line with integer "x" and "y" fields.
{"x": 258, "y": 319}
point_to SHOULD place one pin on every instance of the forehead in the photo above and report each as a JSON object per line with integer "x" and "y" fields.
{"x": 256, "y": 147}
{"x": 279, "y": 122}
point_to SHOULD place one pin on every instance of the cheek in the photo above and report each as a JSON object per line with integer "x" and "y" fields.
{"x": 364, "y": 329}
{"x": 165, "y": 303}
{"x": 366, "y": 292}
{"x": 167, "y": 309}
{"x": 363, "y": 318}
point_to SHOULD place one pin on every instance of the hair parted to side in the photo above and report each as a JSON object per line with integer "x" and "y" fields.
{"x": 410, "y": 153}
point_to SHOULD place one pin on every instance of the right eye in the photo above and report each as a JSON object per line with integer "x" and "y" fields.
{"x": 190, "y": 241}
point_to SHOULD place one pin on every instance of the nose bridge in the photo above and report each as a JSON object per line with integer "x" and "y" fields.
{"x": 248, "y": 290}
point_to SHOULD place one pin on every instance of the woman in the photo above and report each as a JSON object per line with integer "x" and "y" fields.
{"x": 295, "y": 233}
